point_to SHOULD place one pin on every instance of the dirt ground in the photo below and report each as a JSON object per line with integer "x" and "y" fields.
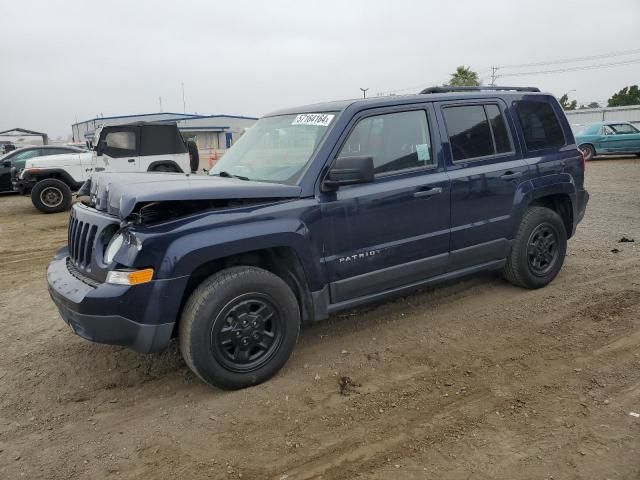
{"x": 473, "y": 380}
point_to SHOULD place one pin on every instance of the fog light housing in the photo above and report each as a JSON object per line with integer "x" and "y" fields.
{"x": 135, "y": 277}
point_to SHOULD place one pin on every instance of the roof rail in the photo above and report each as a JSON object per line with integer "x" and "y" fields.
{"x": 480, "y": 88}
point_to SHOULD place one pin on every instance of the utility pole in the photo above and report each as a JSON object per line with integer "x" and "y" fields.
{"x": 160, "y": 101}
{"x": 494, "y": 76}
{"x": 184, "y": 104}
{"x": 364, "y": 92}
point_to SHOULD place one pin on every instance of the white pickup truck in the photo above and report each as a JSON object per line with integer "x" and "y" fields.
{"x": 139, "y": 147}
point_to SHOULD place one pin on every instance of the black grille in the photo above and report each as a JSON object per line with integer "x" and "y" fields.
{"x": 81, "y": 241}
{"x": 81, "y": 276}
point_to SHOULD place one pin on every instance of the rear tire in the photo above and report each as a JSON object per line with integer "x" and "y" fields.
{"x": 589, "y": 151}
{"x": 164, "y": 168}
{"x": 51, "y": 196}
{"x": 194, "y": 155}
{"x": 538, "y": 250}
{"x": 239, "y": 327}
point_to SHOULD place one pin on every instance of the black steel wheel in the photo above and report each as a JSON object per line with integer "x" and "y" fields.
{"x": 239, "y": 327}
{"x": 542, "y": 249}
{"x": 246, "y": 333}
{"x": 538, "y": 250}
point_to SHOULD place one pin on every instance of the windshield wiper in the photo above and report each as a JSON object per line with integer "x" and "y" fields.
{"x": 226, "y": 174}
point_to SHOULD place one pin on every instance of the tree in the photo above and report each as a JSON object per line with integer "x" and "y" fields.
{"x": 627, "y": 96}
{"x": 566, "y": 104}
{"x": 464, "y": 77}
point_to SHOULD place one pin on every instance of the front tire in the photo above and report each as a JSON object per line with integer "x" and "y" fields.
{"x": 538, "y": 250}
{"x": 589, "y": 151}
{"x": 51, "y": 196}
{"x": 239, "y": 327}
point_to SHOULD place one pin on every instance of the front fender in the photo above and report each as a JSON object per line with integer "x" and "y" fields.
{"x": 187, "y": 252}
{"x": 36, "y": 174}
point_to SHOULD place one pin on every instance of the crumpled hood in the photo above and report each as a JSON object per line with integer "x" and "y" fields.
{"x": 118, "y": 193}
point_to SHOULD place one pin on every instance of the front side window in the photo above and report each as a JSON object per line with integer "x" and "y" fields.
{"x": 540, "y": 125}
{"x": 476, "y": 131}
{"x": 275, "y": 149}
{"x": 120, "y": 144}
{"x": 396, "y": 141}
{"x": 621, "y": 128}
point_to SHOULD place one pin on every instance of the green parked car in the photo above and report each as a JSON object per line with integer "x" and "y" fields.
{"x": 608, "y": 138}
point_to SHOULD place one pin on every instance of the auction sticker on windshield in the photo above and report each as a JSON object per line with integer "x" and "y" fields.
{"x": 318, "y": 119}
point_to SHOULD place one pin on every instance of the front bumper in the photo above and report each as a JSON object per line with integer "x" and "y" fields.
{"x": 134, "y": 317}
{"x": 22, "y": 186}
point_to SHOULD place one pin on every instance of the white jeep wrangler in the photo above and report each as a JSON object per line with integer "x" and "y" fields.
{"x": 139, "y": 147}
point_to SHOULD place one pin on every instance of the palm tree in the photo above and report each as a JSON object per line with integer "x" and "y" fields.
{"x": 464, "y": 77}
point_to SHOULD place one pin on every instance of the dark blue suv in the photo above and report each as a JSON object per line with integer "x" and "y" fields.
{"x": 317, "y": 209}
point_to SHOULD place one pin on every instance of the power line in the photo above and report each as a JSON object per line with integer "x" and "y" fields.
{"x": 572, "y": 69}
{"x": 574, "y": 59}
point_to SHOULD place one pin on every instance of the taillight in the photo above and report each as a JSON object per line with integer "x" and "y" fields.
{"x": 583, "y": 156}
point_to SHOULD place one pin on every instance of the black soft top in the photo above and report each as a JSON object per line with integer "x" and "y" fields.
{"x": 152, "y": 138}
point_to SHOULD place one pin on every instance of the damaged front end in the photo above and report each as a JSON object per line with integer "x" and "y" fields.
{"x": 153, "y": 198}
{"x": 149, "y": 213}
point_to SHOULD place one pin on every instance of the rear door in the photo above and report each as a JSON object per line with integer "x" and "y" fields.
{"x": 485, "y": 166}
{"x": 395, "y": 231}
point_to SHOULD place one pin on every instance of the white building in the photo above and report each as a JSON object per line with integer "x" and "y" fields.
{"x": 585, "y": 116}
{"x": 213, "y": 133}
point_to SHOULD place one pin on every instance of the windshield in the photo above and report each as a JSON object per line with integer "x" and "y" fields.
{"x": 275, "y": 149}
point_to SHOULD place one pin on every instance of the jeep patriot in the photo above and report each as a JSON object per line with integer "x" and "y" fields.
{"x": 318, "y": 209}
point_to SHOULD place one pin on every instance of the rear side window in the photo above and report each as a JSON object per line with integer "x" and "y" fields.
{"x": 396, "y": 141}
{"x": 540, "y": 125}
{"x": 476, "y": 131}
{"x": 161, "y": 140}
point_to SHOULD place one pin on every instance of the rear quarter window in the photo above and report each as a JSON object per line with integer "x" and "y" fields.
{"x": 540, "y": 125}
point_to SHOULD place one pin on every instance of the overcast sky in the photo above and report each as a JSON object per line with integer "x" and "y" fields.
{"x": 62, "y": 60}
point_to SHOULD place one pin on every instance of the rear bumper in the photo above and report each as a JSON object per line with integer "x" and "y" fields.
{"x": 111, "y": 314}
{"x": 582, "y": 200}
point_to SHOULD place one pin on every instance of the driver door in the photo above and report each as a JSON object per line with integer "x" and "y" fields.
{"x": 118, "y": 150}
{"x": 392, "y": 232}
{"x": 624, "y": 138}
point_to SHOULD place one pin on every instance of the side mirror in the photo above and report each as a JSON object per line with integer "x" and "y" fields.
{"x": 7, "y": 163}
{"x": 349, "y": 171}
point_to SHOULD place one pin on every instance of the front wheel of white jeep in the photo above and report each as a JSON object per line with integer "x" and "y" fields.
{"x": 51, "y": 196}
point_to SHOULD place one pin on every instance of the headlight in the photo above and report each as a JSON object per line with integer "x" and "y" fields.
{"x": 112, "y": 248}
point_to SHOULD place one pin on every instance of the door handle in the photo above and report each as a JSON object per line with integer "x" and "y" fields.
{"x": 131, "y": 160}
{"x": 510, "y": 175}
{"x": 428, "y": 192}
